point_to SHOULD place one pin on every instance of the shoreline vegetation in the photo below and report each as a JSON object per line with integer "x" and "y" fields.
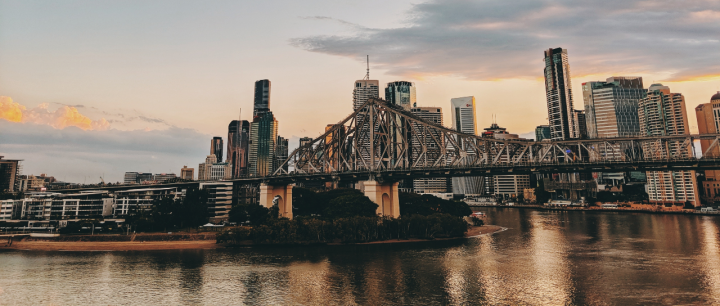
{"x": 158, "y": 242}
{"x": 600, "y": 209}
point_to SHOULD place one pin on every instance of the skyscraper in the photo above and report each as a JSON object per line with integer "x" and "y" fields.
{"x": 238, "y": 146}
{"x": 401, "y": 93}
{"x": 558, "y": 91}
{"x": 611, "y": 107}
{"x": 262, "y": 97}
{"x": 463, "y": 120}
{"x": 432, "y": 152}
{"x": 216, "y": 148}
{"x": 364, "y": 89}
{"x": 663, "y": 113}
{"x": 611, "y": 110}
{"x": 708, "y": 118}
{"x": 263, "y": 137}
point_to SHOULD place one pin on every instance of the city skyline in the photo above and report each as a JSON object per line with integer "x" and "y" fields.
{"x": 135, "y": 114}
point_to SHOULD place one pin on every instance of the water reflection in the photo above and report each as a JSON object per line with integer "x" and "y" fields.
{"x": 544, "y": 258}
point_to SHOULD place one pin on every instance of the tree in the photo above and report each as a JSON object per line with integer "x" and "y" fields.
{"x": 256, "y": 214}
{"x": 306, "y": 202}
{"x": 542, "y": 196}
{"x": 415, "y": 204}
{"x": 350, "y": 205}
{"x": 193, "y": 210}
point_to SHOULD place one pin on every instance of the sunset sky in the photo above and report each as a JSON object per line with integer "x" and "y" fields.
{"x": 97, "y": 88}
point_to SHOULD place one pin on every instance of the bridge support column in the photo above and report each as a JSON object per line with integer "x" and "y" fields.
{"x": 268, "y": 193}
{"x": 385, "y": 196}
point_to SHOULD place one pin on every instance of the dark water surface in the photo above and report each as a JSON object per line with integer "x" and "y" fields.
{"x": 544, "y": 258}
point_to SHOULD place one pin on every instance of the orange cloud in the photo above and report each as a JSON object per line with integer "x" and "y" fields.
{"x": 59, "y": 119}
{"x": 10, "y": 110}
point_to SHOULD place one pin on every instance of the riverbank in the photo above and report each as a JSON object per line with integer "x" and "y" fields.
{"x": 598, "y": 209}
{"x": 137, "y": 242}
{"x": 153, "y": 242}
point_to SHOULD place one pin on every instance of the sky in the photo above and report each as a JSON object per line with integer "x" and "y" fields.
{"x": 96, "y": 88}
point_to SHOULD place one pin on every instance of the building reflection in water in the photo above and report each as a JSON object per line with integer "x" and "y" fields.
{"x": 709, "y": 259}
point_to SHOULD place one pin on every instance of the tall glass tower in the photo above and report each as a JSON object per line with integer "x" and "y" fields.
{"x": 238, "y": 146}
{"x": 262, "y": 97}
{"x": 216, "y": 148}
{"x": 558, "y": 91}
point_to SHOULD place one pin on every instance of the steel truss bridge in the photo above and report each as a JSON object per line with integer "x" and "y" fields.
{"x": 401, "y": 145}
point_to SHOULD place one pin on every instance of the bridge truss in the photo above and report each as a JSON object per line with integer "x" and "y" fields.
{"x": 401, "y": 142}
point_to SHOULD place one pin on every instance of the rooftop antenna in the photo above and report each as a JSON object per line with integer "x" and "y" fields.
{"x": 367, "y": 75}
{"x": 240, "y": 115}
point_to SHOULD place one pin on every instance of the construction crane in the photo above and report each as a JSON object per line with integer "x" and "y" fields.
{"x": 102, "y": 181}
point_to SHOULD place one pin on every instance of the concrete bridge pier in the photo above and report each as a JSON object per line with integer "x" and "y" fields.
{"x": 268, "y": 193}
{"x": 385, "y": 195}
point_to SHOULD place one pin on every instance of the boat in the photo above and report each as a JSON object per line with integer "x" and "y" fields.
{"x": 478, "y": 214}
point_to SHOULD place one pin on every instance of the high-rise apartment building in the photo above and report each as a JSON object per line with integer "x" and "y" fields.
{"x": 464, "y": 121}
{"x": 401, "y": 93}
{"x": 216, "y": 148}
{"x": 579, "y": 123}
{"x": 262, "y": 97}
{"x": 281, "y": 153}
{"x": 663, "y": 113}
{"x": 238, "y": 147}
{"x": 432, "y": 152}
{"x": 263, "y": 137}
{"x": 611, "y": 107}
{"x": 558, "y": 90}
{"x": 708, "y": 118}
{"x": 542, "y": 132}
{"x": 9, "y": 174}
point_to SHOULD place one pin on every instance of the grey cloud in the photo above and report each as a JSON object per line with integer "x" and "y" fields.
{"x": 75, "y": 153}
{"x": 153, "y": 120}
{"x": 485, "y": 40}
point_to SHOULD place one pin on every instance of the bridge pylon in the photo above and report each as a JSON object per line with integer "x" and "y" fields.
{"x": 281, "y": 195}
{"x": 385, "y": 195}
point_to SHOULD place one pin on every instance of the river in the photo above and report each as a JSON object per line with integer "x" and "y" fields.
{"x": 544, "y": 258}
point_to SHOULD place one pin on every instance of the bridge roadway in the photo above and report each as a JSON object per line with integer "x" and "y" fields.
{"x": 417, "y": 173}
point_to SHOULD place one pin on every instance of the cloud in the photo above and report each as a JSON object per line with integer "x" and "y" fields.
{"x": 72, "y": 153}
{"x": 63, "y": 117}
{"x": 490, "y": 40}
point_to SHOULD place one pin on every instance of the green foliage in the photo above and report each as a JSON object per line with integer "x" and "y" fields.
{"x": 634, "y": 193}
{"x": 168, "y": 213}
{"x": 350, "y": 205}
{"x": 306, "y": 202}
{"x": 416, "y": 204}
{"x": 254, "y": 213}
{"x": 347, "y": 230}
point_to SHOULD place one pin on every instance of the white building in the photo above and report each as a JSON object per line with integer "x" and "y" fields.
{"x": 463, "y": 120}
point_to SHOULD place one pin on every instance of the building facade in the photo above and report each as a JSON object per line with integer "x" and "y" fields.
{"x": 216, "y": 148}
{"x": 708, "y": 118}
{"x": 238, "y": 146}
{"x": 281, "y": 153}
{"x": 219, "y": 200}
{"x": 611, "y": 107}
{"x": 187, "y": 173}
{"x": 463, "y": 120}
{"x": 431, "y": 153}
{"x": 401, "y": 93}
{"x": 9, "y": 174}
{"x": 662, "y": 113}
{"x": 558, "y": 90}
{"x": 263, "y": 136}
{"x": 262, "y": 97}
{"x": 506, "y": 186}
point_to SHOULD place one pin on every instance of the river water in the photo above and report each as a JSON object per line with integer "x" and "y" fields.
{"x": 544, "y": 258}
